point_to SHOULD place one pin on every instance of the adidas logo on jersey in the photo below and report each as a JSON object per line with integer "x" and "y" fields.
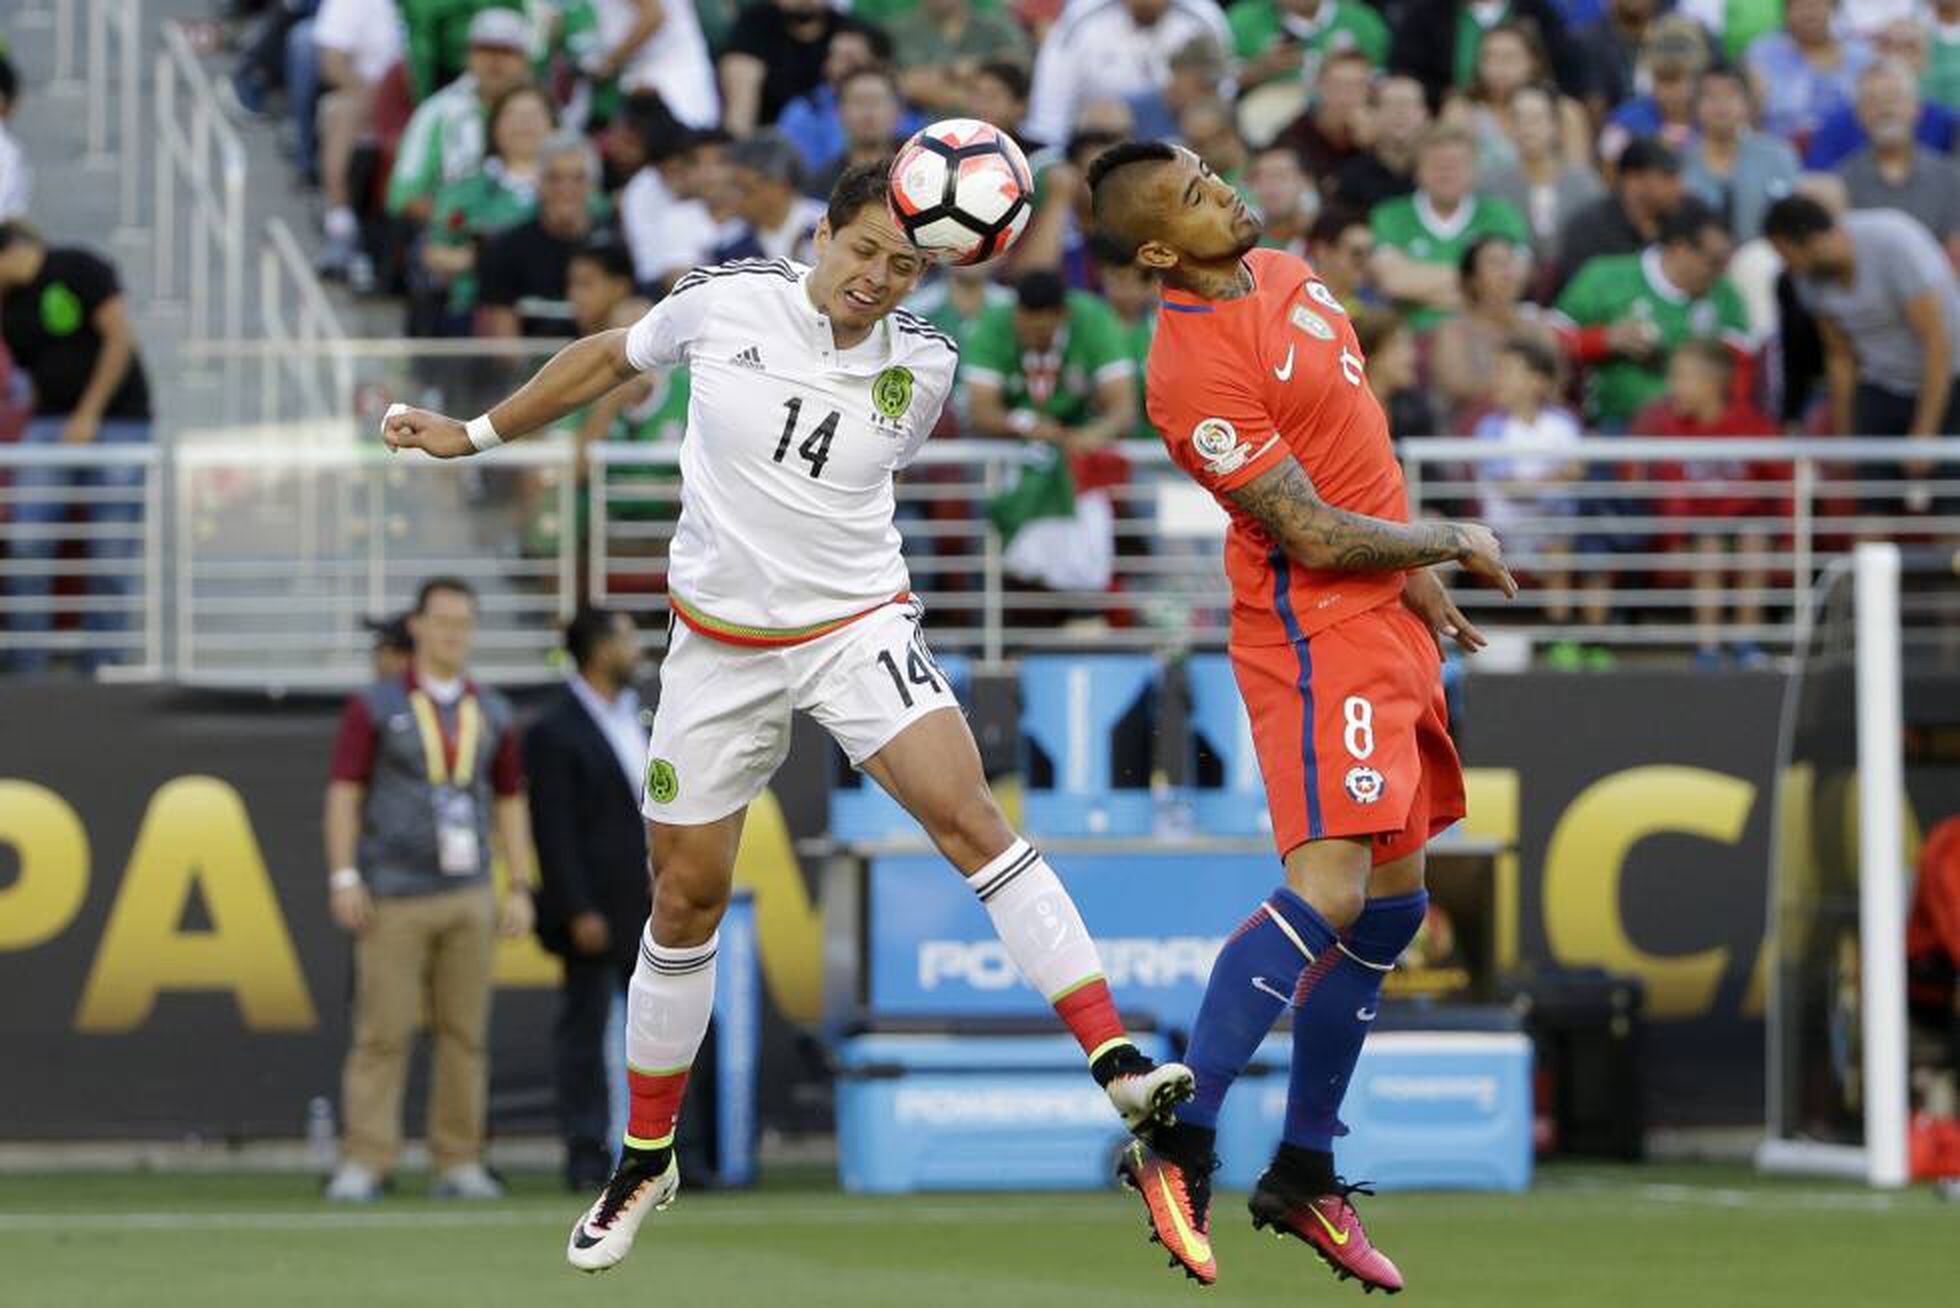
{"x": 749, "y": 358}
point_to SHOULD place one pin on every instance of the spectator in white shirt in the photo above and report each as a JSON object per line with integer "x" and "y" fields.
{"x": 1117, "y": 49}
{"x": 656, "y": 45}
{"x": 663, "y": 210}
{"x": 358, "y": 41}
{"x": 16, "y": 182}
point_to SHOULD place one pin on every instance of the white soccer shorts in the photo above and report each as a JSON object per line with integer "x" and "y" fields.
{"x": 722, "y": 726}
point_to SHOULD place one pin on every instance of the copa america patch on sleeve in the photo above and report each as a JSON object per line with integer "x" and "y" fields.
{"x": 1217, "y": 442}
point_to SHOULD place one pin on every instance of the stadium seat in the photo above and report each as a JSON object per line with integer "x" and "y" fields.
{"x": 860, "y": 810}
{"x": 1235, "y": 803}
{"x": 1085, "y": 753}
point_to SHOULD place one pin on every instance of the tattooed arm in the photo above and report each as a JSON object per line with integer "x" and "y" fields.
{"x": 1322, "y": 536}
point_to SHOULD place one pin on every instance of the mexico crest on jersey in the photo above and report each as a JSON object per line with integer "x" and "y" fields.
{"x": 892, "y": 392}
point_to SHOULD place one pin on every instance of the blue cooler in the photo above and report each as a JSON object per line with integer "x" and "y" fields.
{"x": 1071, "y": 707}
{"x": 1236, "y": 806}
{"x": 973, "y": 1112}
{"x": 1426, "y": 1110}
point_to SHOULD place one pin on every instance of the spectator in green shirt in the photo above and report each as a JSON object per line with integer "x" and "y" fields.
{"x": 1134, "y": 297}
{"x": 1420, "y": 238}
{"x": 497, "y": 196}
{"x": 940, "y": 46}
{"x": 1623, "y": 315}
{"x": 1941, "y": 81}
{"x": 1285, "y": 40}
{"x": 441, "y": 34}
{"x": 1053, "y": 370}
{"x": 444, "y": 140}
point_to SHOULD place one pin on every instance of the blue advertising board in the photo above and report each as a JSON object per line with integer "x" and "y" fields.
{"x": 1158, "y": 920}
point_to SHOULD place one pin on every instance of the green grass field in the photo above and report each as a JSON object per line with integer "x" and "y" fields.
{"x": 1592, "y": 1237}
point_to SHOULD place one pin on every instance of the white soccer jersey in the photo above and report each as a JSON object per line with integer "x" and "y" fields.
{"x": 786, "y": 527}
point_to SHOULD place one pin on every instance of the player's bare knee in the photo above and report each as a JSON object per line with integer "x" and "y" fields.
{"x": 970, "y": 827}
{"x": 687, "y": 906}
{"x": 1333, "y": 877}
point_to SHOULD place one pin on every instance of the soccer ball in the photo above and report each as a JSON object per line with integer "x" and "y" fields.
{"x": 962, "y": 191}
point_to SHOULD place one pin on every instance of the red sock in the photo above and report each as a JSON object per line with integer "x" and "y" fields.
{"x": 1091, "y": 1017}
{"x": 656, "y": 1102}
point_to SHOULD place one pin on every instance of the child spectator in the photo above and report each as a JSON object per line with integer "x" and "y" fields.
{"x": 1390, "y": 349}
{"x": 1518, "y": 491}
{"x": 1463, "y": 352}
{"x": 1727, "y": 560}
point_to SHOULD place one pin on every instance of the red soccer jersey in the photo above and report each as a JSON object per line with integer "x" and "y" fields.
{"x": 1235, "y": 386}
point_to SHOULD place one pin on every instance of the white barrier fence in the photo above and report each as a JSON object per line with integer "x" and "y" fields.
{"x": 82, "y": 527}
{"x": 286, "y": 538}
{"x": 198, "y": 157}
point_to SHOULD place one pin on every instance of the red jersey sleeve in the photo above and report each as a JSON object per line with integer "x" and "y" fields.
{"x": 507, "y": 769}
{"x": 353, "y": 747}
{"x": 1215, "y": 427}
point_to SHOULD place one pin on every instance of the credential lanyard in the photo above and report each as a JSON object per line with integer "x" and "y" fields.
{"x": 449, "y": 762}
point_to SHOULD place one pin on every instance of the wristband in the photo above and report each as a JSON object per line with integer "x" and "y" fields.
{"x": 344, "y": 878}
{"x": 482, "y": 435}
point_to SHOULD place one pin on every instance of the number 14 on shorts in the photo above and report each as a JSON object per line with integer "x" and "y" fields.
{"x": 920, "y": 670}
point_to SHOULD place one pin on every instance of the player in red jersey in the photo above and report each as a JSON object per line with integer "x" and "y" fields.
{"x": 1256, "y": 383}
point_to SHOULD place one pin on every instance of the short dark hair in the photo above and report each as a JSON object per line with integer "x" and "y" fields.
{"x": 589, "y": 627}
{"x": 607, "y": 253}
{"x": 1534, "y": 353}
{"x": 880, "y": 71}
{"x": 1375, "y": 326}
{"x": 1332, "y": 222}
{"x": 1648, "y": 154}
{"x": 439, "y": 586}
{"x": 1684, "y": 224}
{"x": 1115, "y": 234}
{"x": 1040, "y": 289}
{"x": 1010, "y": 75}
{"x": 860, "y": 184}
{"x": 1466, "y": 266}
{"x": 11, "y": 232}
{"x": 1797, "y": 218}
{"x": 391, "y": 633}
{"x": 9, "y": 80}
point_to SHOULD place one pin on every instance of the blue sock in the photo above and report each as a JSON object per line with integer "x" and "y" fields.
{"x": 1333, "y": 1003}
{"x": 1250, "y": 983}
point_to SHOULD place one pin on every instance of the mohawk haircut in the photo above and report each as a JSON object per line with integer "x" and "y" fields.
{"x": 1112, "y": 189}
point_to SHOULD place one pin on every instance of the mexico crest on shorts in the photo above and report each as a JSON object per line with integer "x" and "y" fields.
{"x": 1364, "y": 785}
{"x": 891, "y": 393}
{"x": 663, "y": 783}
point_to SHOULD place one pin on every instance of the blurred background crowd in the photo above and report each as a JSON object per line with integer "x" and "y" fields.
{"x": 1550, "y": 218}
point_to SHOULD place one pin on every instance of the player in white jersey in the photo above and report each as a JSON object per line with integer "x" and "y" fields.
{"x": 810, "y": 389}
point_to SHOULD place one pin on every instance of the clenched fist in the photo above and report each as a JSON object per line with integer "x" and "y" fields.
{"x": 405, "y": 428}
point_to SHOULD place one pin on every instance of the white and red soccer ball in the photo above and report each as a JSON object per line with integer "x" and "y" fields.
{"x": 962, "y": 191}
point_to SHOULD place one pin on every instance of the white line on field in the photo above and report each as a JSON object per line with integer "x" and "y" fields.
{"x": 718, "y": 1215}
{"x": 1720, "y": 1197}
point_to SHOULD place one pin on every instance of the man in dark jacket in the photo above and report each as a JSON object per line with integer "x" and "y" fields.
{"x": 1436, "y": 41}
{"x": 586, "y": 755}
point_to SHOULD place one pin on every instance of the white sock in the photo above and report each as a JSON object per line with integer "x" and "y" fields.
{"x": 341, "y": 224}
{"x": 667, "y": 1005}
{"x": 1037, "y": 921}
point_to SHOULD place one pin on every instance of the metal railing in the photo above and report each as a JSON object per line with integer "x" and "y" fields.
{"x": 83, "y": 534}
{"x": 114, "y": 79}
{"x": 282, "y": 549}
{"x": 285, "y": 539}
{"x": 199, "y": 155}
{"x": 1664, "y": 544}
{"x": 307, "y": 373}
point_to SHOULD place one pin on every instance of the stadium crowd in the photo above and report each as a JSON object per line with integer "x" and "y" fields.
{"x": 1534, "y": 207}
